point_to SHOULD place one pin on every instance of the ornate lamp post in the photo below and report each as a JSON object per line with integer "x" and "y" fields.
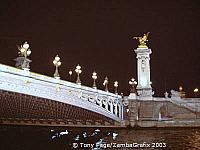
{"x": 116, "y": 85}
{"x": 196, "y": 90}
{"x": 22, "y": 61}
{"x": 132, "y": 82}
{"x": 78, "y": 71}
{"x": 57, "y": 63}
{"x": 105, "y": 83}
{"x": 24, "y": 50}
{"x": 94, "y": 77}
{"x": 181, "y": 92}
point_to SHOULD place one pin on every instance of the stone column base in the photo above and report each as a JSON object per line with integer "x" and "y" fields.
{"x": 145, "y": 93}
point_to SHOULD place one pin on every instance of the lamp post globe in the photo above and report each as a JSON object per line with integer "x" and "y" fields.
{"x": 25, "y": 45}
{"x": 28, "y": 52}
{"x": 70, "y": 72}
{"x": 180, "y": 88}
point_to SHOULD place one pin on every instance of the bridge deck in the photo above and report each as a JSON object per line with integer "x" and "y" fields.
{"x": 29, "y": 96}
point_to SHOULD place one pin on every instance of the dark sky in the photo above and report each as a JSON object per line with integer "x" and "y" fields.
{"x": 98, "y": 35}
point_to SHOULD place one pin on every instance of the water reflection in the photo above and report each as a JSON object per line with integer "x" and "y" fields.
{"x": 193, "y": 141}
{"x": 53, "y": 138}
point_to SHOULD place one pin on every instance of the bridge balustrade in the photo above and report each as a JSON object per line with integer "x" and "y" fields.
{"x": 190, "y": 103}
{"x": 28, "y": 83}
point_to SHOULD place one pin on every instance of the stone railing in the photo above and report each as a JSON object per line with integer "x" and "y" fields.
{"x": 189, "y": 103}
{"x": 26, "y": 82}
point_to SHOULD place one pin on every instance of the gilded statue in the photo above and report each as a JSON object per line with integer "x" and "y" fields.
{"x": 142, "y": 40}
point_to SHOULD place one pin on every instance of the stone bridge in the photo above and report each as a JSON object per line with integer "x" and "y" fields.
{"x": 27, "y": 98}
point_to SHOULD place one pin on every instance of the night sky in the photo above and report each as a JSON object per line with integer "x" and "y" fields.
{"x": 99, "y": 36}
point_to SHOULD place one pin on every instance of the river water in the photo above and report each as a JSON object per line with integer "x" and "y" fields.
{"x": 63, "y": 138}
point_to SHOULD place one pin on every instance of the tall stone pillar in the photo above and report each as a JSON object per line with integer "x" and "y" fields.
{"x": 144, "y": 88}
{"x": 133, "y": 114}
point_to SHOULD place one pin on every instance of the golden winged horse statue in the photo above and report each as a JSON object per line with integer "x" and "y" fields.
{"x": 142, "y": 40}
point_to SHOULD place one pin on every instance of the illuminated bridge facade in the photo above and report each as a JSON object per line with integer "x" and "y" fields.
{"x": 28, "y": 98}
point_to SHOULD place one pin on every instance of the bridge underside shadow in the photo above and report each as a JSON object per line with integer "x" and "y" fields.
{"x": 20, "y": 109}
